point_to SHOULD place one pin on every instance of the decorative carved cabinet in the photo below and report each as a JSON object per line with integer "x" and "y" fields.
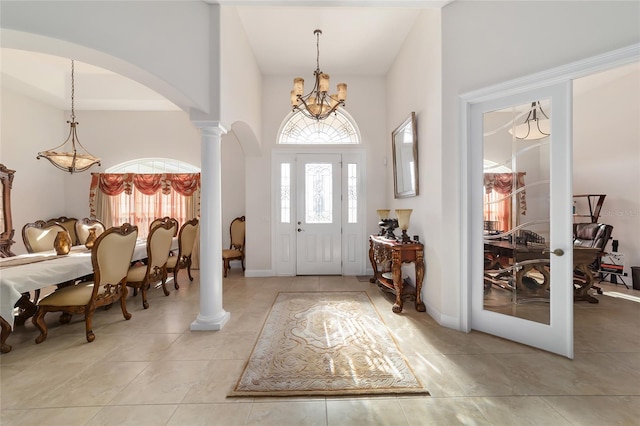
{"x": 6, "y": 225}
{"x": 389, "y": 255}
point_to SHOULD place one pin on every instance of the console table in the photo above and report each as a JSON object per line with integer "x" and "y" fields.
{"x": 390, "y": 255}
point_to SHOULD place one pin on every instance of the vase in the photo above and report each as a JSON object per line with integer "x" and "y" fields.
{"x": 62, "y": 243}
{"x": 91, "y": 238}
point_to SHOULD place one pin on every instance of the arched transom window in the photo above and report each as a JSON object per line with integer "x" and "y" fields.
{"x": 336, "y": 129}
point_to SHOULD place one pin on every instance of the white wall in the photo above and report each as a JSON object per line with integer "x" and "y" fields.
{"x": 414, "y": 84}
{"x": 366, "y": 103}
{"x": 606, "y": 155}
{"x": 164, "y": 45}
{"x": 485, "y": 43}
{"x": 241, "y": 81}
{"x": 29, "y": 127}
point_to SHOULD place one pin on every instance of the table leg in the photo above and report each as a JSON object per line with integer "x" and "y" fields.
{"x": 582, "y": 292}
{"x": 4, "y": 335}
{"x": 419, "y": 277}
{"x": 373, "y": 263}
{"x": 396, "y": 272}
{"x": 26, "y": 309}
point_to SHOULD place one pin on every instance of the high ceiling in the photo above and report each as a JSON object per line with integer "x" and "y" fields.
{"x": 356, "y": 41}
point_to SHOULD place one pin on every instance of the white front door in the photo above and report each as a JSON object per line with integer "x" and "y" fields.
{"x": 520, "y": 217}
{"x": 318, "y": 214}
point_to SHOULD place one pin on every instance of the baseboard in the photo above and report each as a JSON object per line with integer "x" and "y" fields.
{"x": 260, "y": 273}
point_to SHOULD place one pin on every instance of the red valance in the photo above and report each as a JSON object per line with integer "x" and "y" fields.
{"x": 115, "y": 183}
{"x": 502, "y": 183}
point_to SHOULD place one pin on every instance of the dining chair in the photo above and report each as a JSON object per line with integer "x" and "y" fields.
{"x": 110, "y": 257}
{"x": 186, "y": 240}
{"x": 39, "y": 236}
{"x": 82, "y": 228}
{"x": 140, "y": 276}
{"x": 161, "y": 220}
{"x": 236, "y": 248}
{"x": 69, "y": 224}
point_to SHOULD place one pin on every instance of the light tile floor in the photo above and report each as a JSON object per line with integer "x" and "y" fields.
{"x": 152, "y": 370}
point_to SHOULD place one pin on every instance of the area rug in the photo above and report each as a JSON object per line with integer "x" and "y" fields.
{"x": 325, "y": 343}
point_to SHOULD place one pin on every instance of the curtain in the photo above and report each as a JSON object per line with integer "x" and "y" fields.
{"x": 498, "y": 194}
{"x": 116, "y": 198}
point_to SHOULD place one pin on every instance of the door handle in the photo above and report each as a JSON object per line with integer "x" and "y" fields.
{"x": 299, "y": 229}
{"x": 557, "y": 252}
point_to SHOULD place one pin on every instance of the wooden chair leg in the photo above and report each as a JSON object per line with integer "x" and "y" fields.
{"x": 123, "y": 304}
{"x": 143, "y": 291}
{"x": 225, "y": 266}
{"x": 88, "y": 323}
{"x": 6, "y": 331}
{"x": 175, "y": 277}
{"x": 189, "y": 270}
{"x": 38, "y": 321}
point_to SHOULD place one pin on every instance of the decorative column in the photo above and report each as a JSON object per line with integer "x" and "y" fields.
{"x": 212, "y": 316}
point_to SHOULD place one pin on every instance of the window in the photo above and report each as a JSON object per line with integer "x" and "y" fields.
{"x": 336, "y": 129}
{"x": 142, "y": 190}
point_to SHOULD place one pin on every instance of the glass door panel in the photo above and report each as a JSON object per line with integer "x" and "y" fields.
{"x": 516, "y": 210}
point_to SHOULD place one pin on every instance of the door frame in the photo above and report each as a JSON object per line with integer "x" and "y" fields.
{"x": 565, "y": 73}
{"x": 355, "y": 245}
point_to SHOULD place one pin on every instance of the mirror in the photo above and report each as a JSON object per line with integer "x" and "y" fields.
{"x": 6, "y": 227}
{"x": 405, "y": 158}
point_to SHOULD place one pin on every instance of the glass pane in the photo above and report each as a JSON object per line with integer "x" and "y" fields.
{"x": 336, "y": 129}
{"x": 516, "y": 213}
{"x": 352, "y": 189}
{"x": 318, "y": 193}
{"x": 285, "y": 192}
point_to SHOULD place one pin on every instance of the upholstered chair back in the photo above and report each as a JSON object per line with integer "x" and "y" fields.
{"x": 82, "y": 228}
{"x": 165, "y": 219}
{"x": 69, "y": 224}
{"x": 595, "y": 235}
{"x": 159, "y": 244}
{"x": 238, "y": 233}
{"x": 187, "y": 237}
{"x": 39, "y": 236}
{"x": 113, "y": 253}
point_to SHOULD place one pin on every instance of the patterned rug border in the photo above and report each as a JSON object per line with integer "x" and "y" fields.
{"x": 323, "y": 393}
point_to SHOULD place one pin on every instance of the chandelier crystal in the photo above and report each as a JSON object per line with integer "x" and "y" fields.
{"x": 317, "y": 104}
{"x": 73, "y": 161}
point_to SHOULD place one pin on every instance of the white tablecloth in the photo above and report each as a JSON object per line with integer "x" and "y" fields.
{"x": 16, "y": 280}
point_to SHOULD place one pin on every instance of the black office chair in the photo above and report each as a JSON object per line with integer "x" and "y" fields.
{"x": 594, "y": 235}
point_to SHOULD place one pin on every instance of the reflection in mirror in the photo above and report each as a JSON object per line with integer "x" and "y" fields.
{"x": 405, "y": 158}
{"x": 516, "y": 211}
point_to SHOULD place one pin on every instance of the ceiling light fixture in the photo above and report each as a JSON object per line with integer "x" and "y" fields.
{"x": 71, "y": 161}
{"x": 317, "y": 104}
{"x": 534, "y": 127}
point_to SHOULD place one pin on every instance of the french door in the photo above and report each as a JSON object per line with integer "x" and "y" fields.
{"x": 318, "y": 214}
{"x": 520, "y": 217}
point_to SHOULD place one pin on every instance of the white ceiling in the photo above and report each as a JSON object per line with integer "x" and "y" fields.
{"x": 356, "y": 40}
{"x": 281, "y": 37}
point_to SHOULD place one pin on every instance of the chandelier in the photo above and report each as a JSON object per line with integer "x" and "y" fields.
{"x": 534, "y": 127}
{"x": 73, "y": 161}
{"x": 317, "y": 104}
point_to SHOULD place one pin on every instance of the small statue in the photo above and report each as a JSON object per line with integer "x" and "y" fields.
{"x": 389, "y": 225}
{"x": 62, "y": 243}
{"x": 91, "y": 238}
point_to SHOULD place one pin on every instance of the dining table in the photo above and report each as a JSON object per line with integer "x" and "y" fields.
{"x": 534, "y": 256}
{"x": 22, "y": 274}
